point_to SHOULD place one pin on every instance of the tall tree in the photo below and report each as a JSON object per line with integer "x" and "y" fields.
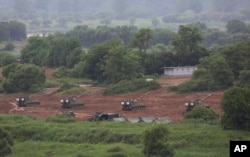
{"x": 125, "y": 33}
{"x": 141, "y": 39}
{"x": 21, "y": 77}
{"x": 36, "y": 51}
{"x": 120, "y": 65}
{"x": 17, "y": 30}
{"x": 187, "y": 45}
{"x": 4, "y": 31}
{"x": 95, "y": 58}
{"x": 236, "y": 26}
{"x": 237, "y": 56}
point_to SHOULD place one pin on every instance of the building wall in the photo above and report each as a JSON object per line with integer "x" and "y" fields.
{"x": 179, "y": 71}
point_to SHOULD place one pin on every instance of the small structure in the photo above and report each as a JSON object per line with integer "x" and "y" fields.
{"x": 179, "y": 71}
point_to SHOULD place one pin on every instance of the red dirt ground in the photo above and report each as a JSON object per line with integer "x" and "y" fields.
{"x": 159, "y": 103}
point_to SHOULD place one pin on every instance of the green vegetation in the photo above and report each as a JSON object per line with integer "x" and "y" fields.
{"x": 36, "y": 137}
{"x": 220, "y": 70}
{"x": 12, "y": 30}
{"x": 22, "y": 77}
{"x": 236, "y": 106}
{"x": 156, "y": 142}
{"x": 117, "y": 44}
{"x": 6, "y": 143}
{"x": 202, "y": 113}
{"x": 131, "y": 86}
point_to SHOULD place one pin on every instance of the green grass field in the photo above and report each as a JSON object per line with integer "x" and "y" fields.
{"x": 61, "y": 137}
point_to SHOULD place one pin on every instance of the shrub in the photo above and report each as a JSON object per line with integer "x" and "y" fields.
{"x": 156, "y": 142}
{"x": 236, "y": 106}
{"x": 60, "y": 119}
{"x": 6, "y": 142}
{"x": 194, "y": 85}
{"x": 201, "y": 112}
{"x": 9, "y": 46}
{"x": 132, "y": 86}
{"x": 61, "y": 72}
{"x": 6, "y": 59}
{"x": 21, "y": 77}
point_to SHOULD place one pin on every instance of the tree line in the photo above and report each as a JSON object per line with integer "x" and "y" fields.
{"x": 112, "y": 54}
{"x": 12, "y": 30}
{"x": 130, "y": 54}
{"x": 236, "y": 30}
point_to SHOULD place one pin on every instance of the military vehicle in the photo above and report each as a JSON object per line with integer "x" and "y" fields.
{"x": 24, "y": 101}
{"x": 191, "y": 104}
{"x": 100, "y": 116}
{"x": 71, "y": 102}
{"x": 132, "y": 104}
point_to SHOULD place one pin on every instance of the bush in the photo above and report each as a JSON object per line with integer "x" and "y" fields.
{"x": 156, "y": 142}
{"x": 6, "y": 142}
{"x": 6, "y": 59}
{"x": 61, "y": 72}
{"x": 194, "y": 85}
{"x": 9, "y": 46}
{"x": 236, "y": 106}
{"x": 132, "y": 86}
{"x": 60, "y": 119}
{"x": 21, "y": 77}
{"x": 201, "y": 112}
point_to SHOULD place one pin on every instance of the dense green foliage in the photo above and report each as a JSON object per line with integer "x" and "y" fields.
{"x": 131, "y": 86}
{"x": 6, "y": 58}
{"x": 12, "y": 30}
{"x": 201, "y": 112}
{"x": 35, "y": 137}
{"x": 109, "y": 62}
{"x": 141, "y": 39}
{"x": 53, "y": 51}
{"x": 220, "y": 70}
{"x": 236, "y": 107}
{"x": 21, "y": 77}
{"x": 156, "y": 142}
{"x": 187, "y": 46}
{"x": 6, "y": 143}
{"x": 9, "y": 46}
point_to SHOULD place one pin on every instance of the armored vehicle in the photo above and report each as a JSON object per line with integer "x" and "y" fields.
{"x": 191, "y": 104}
{"x": 71, "y": 102}
{"x": 132, "y": 104}
{"x": 99, "y": 116}
{"x": 26, "y": 101}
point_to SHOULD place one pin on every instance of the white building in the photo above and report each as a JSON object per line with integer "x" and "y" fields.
{"x": 179, "y": 71}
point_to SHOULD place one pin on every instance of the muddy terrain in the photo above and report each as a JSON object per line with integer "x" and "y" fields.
{"x": 159, "y": 103}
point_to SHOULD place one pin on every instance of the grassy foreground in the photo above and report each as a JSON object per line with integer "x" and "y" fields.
{"x": 59, "y": 137}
